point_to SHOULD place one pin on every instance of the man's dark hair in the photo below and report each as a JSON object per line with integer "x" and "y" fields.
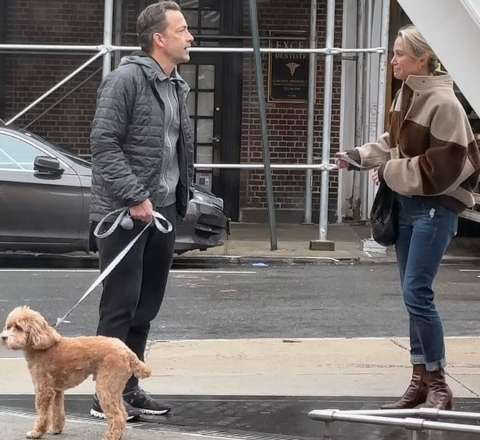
{"x": 152, "y": 20}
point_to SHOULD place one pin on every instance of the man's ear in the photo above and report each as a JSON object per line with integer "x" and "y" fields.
{"x": 158, "y": 39}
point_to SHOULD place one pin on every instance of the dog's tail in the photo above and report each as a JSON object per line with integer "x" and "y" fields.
{"x": 139, "y": 369}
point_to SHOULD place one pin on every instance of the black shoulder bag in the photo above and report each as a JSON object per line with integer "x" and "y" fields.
{"x": 384, "y": 216}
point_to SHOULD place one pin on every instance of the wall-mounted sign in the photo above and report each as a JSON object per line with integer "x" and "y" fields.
{"x": 288, "y": 72}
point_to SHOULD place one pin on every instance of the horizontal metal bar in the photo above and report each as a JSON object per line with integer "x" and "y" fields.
{"x": 432, "y": 413}
{"x": 52, "y": 47}
{"x": 259, "y": 166}
{"x": 93, "y": 48}
{"x": 324, "y": 51}
{"x": 331, "y": 415}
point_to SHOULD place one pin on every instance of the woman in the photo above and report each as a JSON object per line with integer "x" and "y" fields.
{"x": 430, "y": 159}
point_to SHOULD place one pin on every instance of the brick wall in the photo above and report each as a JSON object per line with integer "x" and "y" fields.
{"x": 29, "y": 75}
{"x": 287, "y": 122}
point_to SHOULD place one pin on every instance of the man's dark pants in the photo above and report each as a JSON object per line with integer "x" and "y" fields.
{"x": 133, "y": 292}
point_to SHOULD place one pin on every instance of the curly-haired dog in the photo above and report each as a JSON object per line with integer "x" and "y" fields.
{"x": 57, "y": 363}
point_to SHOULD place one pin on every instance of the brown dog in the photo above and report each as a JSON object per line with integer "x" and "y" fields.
{"x": 57, "y": 363}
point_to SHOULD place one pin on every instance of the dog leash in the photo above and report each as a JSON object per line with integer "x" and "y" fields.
{"x": 123, "y": 220}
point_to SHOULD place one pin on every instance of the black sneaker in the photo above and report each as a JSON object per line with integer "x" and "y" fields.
{"x": 143, "y": 402}
{"x": 96, "y": 410}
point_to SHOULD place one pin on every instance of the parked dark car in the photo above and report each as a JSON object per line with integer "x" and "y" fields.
{"x": 45, "y": 195}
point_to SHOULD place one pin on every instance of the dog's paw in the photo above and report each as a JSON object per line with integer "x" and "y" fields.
{"x": 33, "y": 434}
{"x": 54, "y": 431}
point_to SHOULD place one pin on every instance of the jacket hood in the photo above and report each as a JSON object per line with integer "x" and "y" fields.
{"x": 150, "y": 67}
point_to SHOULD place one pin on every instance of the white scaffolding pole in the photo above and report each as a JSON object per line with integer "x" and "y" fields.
{"x": 382, "y": 83}
{"x": 327, "y": 113}
{"x": 107, "y": 37}
{"x": 312, "y": 97}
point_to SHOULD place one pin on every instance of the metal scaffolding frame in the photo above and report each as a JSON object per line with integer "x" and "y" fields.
{"x": 404, "y": 418}
{"x": 106, "y": 49}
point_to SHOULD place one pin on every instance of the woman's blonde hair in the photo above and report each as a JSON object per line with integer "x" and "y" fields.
{"x": 417, "y": 46}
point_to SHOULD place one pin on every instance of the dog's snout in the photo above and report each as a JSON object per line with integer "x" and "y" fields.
{"x": 3, "y": 337}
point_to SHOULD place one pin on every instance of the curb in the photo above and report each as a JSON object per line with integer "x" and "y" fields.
{"x": 15, "y": 260}
{"x": 221, "y": 260}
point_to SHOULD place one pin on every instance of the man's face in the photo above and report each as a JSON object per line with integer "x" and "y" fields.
{"x": 176, "y": 40}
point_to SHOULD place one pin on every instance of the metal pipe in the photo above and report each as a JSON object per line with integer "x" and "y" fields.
{"x": 408, "y": 423}
{"x": 56, "y": 86}
{"x": 263, "y": 123}
{"x": 327, "y": 114}
{"x": 364, "y": 181}
{"x": 78, "y": 86}
{"x": 312, "y": 97}
{"x": 278, "y": 166}
{"x": 324, "y": 51}
{"x": 48, "y": 47}
{"x": 422, "y": 412}
{"x": 75, "y": 48}
{"x": 383, "y": 66}
{"x": 359, "y": 107}
{"x": 107, "y": 37}
{"x": 348, "y": 30}
{"x": 117, "y": 32}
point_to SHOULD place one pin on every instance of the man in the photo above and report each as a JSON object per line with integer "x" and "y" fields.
{"x": 142, "y": 156}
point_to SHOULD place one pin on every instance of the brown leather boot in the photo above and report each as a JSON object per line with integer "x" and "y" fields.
{"x": 416, "y": 392}
{"x": 439, "y": 393}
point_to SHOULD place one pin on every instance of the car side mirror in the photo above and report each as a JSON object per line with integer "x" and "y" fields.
{"x": 46, "y": 166}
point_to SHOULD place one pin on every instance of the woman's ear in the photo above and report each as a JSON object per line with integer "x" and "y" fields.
{"x": 423, "y": 61}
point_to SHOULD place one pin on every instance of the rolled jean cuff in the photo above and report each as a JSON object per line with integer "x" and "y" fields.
{"x": 418, "y": 359}
{"x": 436, "y": 365}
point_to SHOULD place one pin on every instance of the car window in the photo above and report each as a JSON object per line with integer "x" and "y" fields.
{"x": 16, "y": 154}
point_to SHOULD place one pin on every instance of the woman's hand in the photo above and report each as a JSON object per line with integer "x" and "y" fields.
{"x": 377, "y": 174}
{"x": 340, "y": 160}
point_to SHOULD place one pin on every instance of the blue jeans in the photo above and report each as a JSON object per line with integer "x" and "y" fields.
{"x": 425, "y": 231}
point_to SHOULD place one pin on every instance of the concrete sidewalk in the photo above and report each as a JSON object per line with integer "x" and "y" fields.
{"x": 250, "y": 242}
{"x": 280, "y": 367}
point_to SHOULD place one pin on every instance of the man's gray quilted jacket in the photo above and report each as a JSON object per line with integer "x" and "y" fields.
{"x": 127, "y": 139}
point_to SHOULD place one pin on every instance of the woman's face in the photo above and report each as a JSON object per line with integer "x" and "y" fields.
{"x": 404, "y": 64}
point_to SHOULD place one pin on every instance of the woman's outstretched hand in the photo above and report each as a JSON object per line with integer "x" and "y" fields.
{"x": 341, "y": 160}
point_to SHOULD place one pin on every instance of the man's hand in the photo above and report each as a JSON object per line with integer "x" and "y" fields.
{"x": 143, "y": 211}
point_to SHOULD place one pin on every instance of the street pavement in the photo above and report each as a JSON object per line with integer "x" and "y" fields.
{"x": 264, "y": 388}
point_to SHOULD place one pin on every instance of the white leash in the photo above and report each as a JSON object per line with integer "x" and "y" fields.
{"x": 124, "y": 220}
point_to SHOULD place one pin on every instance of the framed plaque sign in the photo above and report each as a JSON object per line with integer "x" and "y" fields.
{"x": 288, "y": 72}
